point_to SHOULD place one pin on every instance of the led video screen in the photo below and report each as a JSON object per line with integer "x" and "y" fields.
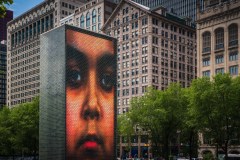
{"x": 77, "y": 95}
{"x": 90, "y": 111}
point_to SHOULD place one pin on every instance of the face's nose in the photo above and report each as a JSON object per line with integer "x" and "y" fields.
{"x": 91, "y": 109}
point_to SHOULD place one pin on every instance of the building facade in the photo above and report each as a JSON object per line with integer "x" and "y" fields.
{"x": 91, "y": 15}
{"x": 3, "y": 69}
{"x": 3, "y": 24}
{"x": 23, "y": 51}
{"x": 184, "y": 8}
{"x": 154, "y": 48}
{"x": 218, "y": 32}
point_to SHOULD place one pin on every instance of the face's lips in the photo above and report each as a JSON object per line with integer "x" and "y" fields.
{"x": 90, "y": 145}
{"x": 90, "y": 142}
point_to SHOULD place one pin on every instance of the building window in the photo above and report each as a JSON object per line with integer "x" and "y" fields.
{"x": 99, "y": 18}
{"x": 47, "y": 22}
{"x": 233, "y": 34}
{"x": 23, "y": 34}
{"x": 144, "y": 79}
{"x": 219, "y": 70}
{"x": 94, "y": 28}
{"x": 51, "y": 20}
{"x": 206, "y": 73}
{"x": 26, "y": 33}
{"x": 30, "y": 31}
{"x": 12, "y": 40}
{"x": 94, "y": 16}
{"x": 99, "y": 26}
{"x": 82, "y": 21}
{"x": 144, "y": 21}
{"x": 154, "y": 21}
{"x": 88, "y": 20}
{"x": 206, "y": 62}
{"x": 206, "y": 42}
{"x": 233, "y": 70}
{"x": 42, "y": 22}
{"x": 233, "y": 56}
{"x": 219, "y": 59}
{"x": 144, "y": 40}
{"x": 219, "y": 35}
{"x": 155, "y": 40}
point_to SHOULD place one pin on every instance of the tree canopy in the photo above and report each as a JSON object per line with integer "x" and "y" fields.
{"x": 19, "y": 129}
{"x": 175, "y": 116}
{"x": 3, "y": 8}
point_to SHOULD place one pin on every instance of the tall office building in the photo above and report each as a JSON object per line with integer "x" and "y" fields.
{"x": 218, "y": 32}
{"x": 3, "y": 24}
{"x": 23, "y": 52}
{"x": 154, "y": 48}
{"x": 184, "y": 8}
{"x": 3, "y": 70}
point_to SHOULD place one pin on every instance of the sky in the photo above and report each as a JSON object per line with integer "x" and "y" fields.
{"x": 21, "y": 6}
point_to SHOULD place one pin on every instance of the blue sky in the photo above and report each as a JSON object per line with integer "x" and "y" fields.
{"x": 21, "y": 6}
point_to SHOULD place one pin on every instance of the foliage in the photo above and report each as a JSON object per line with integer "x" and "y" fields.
{"x": 3, "y": 8}
{"x": 160, "y": 113}
{"x": 208, "y": 156}
{"x": 19, "y": 129}
{"x": 207, "y": 106}
{"x": 215, "y": 103}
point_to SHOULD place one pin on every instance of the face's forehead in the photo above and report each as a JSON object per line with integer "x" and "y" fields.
{"x": 90, "y": 45}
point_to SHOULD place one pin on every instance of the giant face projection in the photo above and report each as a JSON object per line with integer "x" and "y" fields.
{"x": 90, "y": 112}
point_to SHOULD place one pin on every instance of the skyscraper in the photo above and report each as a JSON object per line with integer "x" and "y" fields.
{"x": 23, "y": 51}
{"x": 3, "y": 68}
{"x": 3, "y": 24}
{"x": 154, "y": 48}
{"x": 184, "y": 8}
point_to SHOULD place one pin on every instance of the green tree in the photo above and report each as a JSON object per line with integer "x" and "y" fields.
{"x": 125, "y": 128}
{"x": 3, "y": 8}
{"x": 215, "y": 105}
{"x": 174, "y": 104}
{"x": 189, "y": 131}
{"x": 160, "y": 113}
{"x": 146, "y": 113}
{"x": 5, "y": 132}
{"x": 19, "y": 129}
{"x": 25, "y": 117}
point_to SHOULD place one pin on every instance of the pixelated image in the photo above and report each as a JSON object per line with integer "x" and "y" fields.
{"x": 90, "y": 90}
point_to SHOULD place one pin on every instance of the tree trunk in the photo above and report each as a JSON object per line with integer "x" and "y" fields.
{"x": 191, "y": 144}
{"x": 13, "y": 153}
{"x": 166, "y": 148}
{"x": 226, "y": 149}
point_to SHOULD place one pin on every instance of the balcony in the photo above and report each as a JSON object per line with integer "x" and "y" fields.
{"x": 233, "y": 43}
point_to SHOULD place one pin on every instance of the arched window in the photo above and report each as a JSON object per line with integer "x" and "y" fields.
{"x": 82, "y": 21}
{"x": 206, "y": 42}
{"x": 136, "y": 15}
{"x": 219, "y": 38}
{"x": 233, "y": 34}
{"x": 94, "y": 16}
{"x": 88, "y": 20}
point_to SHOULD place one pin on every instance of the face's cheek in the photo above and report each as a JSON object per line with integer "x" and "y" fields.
{"x": 74, "y": 123}
{"x": 106, "y": 125}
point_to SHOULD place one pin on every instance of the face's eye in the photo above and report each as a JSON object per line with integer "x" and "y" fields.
{"x": 74, "y": 78}
{"x": 106, "y": 82}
